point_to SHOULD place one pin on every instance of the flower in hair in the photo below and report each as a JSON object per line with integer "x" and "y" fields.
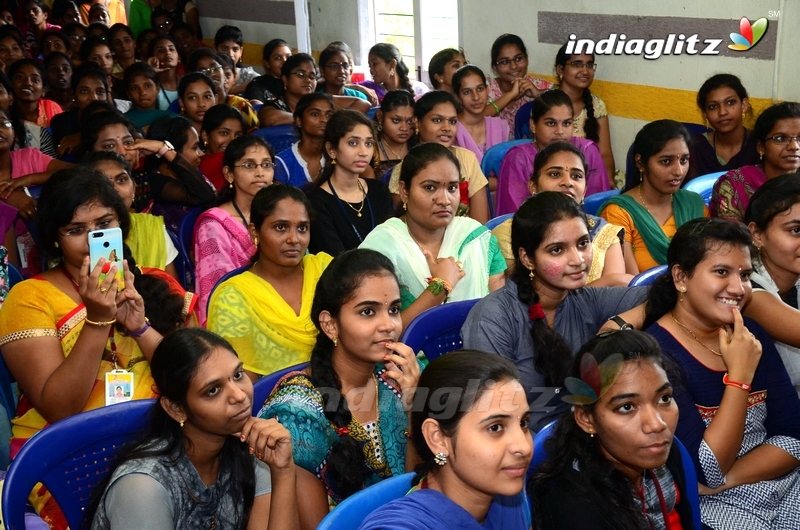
{"x": 342, "y": 431}
{"x": 463, "y": 191}
{"x": 595, "y": 380}
{"x": 536, "y": 312}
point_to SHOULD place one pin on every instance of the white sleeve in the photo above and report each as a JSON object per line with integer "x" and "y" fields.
{"x": 263, "y": 479}
{"x": 172, "y": 252}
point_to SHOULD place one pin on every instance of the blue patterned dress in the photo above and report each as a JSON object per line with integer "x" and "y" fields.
{"x": 298, "y": 405}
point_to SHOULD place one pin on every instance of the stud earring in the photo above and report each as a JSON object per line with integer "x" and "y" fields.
{"x": 255, "y": 241}
{"x": 391, "y": 73}
{"x": 440, "y": 458}
{"x": 335, "y": 341}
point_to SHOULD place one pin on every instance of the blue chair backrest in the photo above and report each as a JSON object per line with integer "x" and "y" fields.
{"x": 437, "y": 331}
{"x": 70, "y": 458}
{"x": 593, "y": 202}
{"x": 280, "y": 137}
{"x": 387, "y": 176}
{"x": 372, "y": 112}
{"x": 264, "y": 386}
{"x": 185, "y": 247}
{"x": 493, "y": 157}
{"x": 491, "y": 224}
{"x": 648, "y": 277}
{"x": 522, "y": 127}
{"x": 692, "y": 494}
{"x": 227, "y": 276}
{"x": 353, "y": 510}
{"x": 539, "y": 454}
{"x": 14, "y": 275}
{"x": 704, "y": 185}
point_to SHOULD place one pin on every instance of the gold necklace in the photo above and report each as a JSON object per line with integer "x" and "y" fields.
{"x": 639, "y": 189}
{"x": 394, "y": 153}
{"x": 363, "y": 199}
{"x": 718, "y": 354}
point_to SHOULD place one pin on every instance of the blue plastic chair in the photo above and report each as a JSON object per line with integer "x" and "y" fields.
{"x": 280, "y": 137}
{"x": 491, "y": 224}
{"x": 227, "y": 276}
{"x": 493, "y": 157}
{"x": 592, "y": 203}
{"x": 437, "y": 331}
{"x": 70, "y": 458}
{"x": 539, "y": 454}
{"x": 14, "y": 275}
{"x": 353, "y": 510}
{"x": 648, "y": 277}
{"x": 704, "y": 185}
{"x": 522, "y": 127}
{"x": 185, "y": 262}
{"x": 387, "y": 176}
{"x": 264, "y": 386}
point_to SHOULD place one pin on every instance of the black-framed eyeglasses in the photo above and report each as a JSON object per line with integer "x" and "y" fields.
{"x": 782, "y": 139}
{"x": 580, "y": 65}
{"x": 250, "y": 166}
{"x": 517, "y": 59}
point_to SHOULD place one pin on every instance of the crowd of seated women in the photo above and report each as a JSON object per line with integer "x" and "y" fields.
{"x": 321, "y": 252}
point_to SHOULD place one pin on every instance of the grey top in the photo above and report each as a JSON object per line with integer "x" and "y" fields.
{"x": 156, "y": 493}
{"x": 499, "y": 324}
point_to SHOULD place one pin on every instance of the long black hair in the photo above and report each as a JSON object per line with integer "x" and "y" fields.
{"x": 342, "y": 123}
{"x": 388, "y": 53}
{"x": 775, "y": 196}
{"x": 336, "y": 286}
{"x": 17, "y": 123}
{"x": 449, "y": 387}
{"x": 590, "y": 126}
{"x": 529, "y": 227}
{"x": 650, "y": 140}
{"x": 690, "y": 245}
{"x": 610, "y": 492}
{"x": 174, "y": 365}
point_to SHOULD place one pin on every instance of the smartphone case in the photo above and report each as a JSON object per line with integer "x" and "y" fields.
{"x": 107, "y": 243}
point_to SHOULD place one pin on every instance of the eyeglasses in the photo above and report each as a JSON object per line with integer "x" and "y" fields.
{"x": 212, "y": 70}
{"x": 580, "y": 65}
{"x": 81, "y": 230}
{"x": 335, "y": 67}
{"x": 504, "y": 62}
{"x": 250, "y": 166}
{"x": 783, "y": 140}
{"x": 302, "y": 74}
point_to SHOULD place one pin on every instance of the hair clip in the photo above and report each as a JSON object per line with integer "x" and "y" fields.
{"x": 342, "y": 431}
{"x": 595, "y": 380}
{"x": 536, "y": 312}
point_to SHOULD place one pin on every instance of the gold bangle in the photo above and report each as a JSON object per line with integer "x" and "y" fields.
{"x": 100, "y": 324}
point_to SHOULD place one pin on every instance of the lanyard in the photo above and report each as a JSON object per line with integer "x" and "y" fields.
{"x": 661, "y": 501}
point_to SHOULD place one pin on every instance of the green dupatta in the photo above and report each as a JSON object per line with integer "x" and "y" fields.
{"x": 686, "y": 205}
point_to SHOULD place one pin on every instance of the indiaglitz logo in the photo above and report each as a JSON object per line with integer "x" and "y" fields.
{"x": 672, "y": 44}
{"x": 749, "y": 34}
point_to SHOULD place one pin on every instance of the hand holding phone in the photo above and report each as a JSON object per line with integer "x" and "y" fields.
{"x": 107, "y": 243}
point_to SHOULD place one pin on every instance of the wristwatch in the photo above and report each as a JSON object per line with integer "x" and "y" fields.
{"x": 163, "y": 150}
{"x": 620, "y": 322}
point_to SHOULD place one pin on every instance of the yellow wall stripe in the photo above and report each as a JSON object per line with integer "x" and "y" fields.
{"x": 649, "y": 103}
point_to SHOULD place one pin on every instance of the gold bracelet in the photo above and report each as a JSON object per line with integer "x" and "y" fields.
{"x": 100, "y": 324}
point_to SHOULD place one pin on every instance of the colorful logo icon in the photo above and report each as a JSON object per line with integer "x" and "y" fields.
{"x": 749, "y": 34}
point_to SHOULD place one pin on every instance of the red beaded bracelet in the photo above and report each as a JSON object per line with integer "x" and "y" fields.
{"x": 744, "y": 386}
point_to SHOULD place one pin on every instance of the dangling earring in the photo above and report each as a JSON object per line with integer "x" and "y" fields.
{"x": 530, "y": 274}
{"x": 591, "y": 434}
{"x": 230, "y": 184}
{"x": 333, "y": 161}
{"x": 680, "y": 297}
{"x": 405, "y": 205}
{"x": 255, "y": 241}
{"x": 183, "y": 420}
{"x": 761, "y": 157}
{"x": 440, "y": 458}
{"x": 56, "y": 244}
{"x": 335, "y": 341}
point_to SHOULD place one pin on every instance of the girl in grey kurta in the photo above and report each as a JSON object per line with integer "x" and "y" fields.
{"x": 544, "y": 313}
{"x": 205, "y": 461}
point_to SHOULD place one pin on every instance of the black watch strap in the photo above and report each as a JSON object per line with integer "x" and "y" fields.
{"x": 620, "y": 322}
